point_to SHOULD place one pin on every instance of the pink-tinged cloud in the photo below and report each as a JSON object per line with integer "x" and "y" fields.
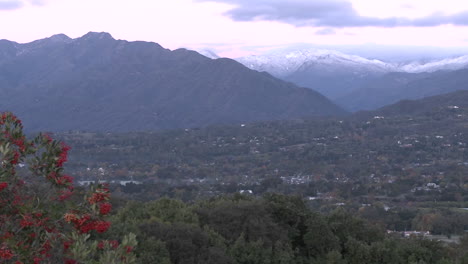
{"x": 10, "y": 4}
{"x": 17, "y": 4}
{"x": 196, "y": 25}
{"x": 37, "y": 2}
{"x": 329, "y": 13}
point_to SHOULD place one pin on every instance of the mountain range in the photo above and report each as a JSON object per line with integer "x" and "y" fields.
{"x": 285, "y": 63}
{"x": 358, "y": 83}
{"x": 394, "y": 87}
{"x": 97, "y": 83}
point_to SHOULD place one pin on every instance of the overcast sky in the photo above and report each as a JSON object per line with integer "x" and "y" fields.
{"x": 239, "y": 27}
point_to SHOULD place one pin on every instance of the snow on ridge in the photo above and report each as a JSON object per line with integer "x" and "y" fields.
{"x": 283, "y": 63}
{"x": 450, "y": 64}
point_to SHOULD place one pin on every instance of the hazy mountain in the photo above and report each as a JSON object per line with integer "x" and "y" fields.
{"x": 285, "y": 63}
{"x": 436, "y": 106}
{"x": 98, "y": 83}
{"x": 446, "y": 64}
{"x": 331, "y": 73}
{"x": 394, "y": 87}
{"x": 450, "y": 101}
{"x": 338, "y": 75}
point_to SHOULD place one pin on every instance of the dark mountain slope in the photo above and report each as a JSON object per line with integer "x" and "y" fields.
{"x": 394, "y": 87}
{"x": 333, "y": 81}
{"x": 433, "y": 107}
{"x": 101, "y": 84}
{"x": 450, "y": 101}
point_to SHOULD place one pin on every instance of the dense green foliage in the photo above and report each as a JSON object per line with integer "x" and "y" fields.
{"x": 272, "y": 229}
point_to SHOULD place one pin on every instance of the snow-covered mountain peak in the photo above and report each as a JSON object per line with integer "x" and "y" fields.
{"x": 449, "y": 64}
{"x": 284, "y": 63}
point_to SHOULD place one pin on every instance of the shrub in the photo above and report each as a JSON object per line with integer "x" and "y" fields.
{"x": 42, "y": 218}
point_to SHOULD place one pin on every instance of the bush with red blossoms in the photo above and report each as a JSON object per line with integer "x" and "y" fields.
{"x": 105, "y": 208}
{"x": 40, "y": 218}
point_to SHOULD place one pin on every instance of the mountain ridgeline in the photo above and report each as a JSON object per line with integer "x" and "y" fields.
{"x": 356, "y": 83}
{"x": 97, "y": 83}
{"x": 393, "y": 87}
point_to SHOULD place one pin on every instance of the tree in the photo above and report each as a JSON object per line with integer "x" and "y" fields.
{"x": 319, "y": 239}
{"x": 42, "y": 218}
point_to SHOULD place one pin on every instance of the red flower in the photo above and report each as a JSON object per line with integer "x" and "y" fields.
{"x": 99, "y": 196}
{"x": 8, "y": 235}
{"x": 105, "y": 208}
{"x": 26, "y": 222}
{"x": 64, "y": 180}
{"x": 5, "y": 253}
{"x": 67, "y": 244}
{"x": 65, "y": 194}
{"x": 52, "y": 176}
{"x": 101, "y": 226}
{"x": 128, "y": 249}
{"x": 15, "y": 159}
{"x": 63, "y": 155}
{"x": 65, "y": 147}
{"x": 70, "y": 217}
{"x": 87, "y": 227}
{"x": 17, "y": 200}
{"x": 67, "y": 179}
{"x": 45, "y": 249}
{"x": 3, "y": 185}
{"x": 82, "y": 220}
{"x": 47, "y": 138}
{"x": 100, "y": 245}
{"x": 114, "y": 244}
{"x": 20, "y": 144}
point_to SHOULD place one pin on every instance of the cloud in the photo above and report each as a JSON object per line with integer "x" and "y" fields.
{"x": 220, "y": 44}
{"x": 17, "y": 4}
{"x": 37, "y": 2}
{"x": 10, "y": 4}
{"x": 325, "y": 31}
{"x": 407, "y": 6}
{"x": 326, "y": 13}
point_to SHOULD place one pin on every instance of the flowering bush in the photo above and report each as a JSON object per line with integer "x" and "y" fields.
{"x": 42, "y": 219}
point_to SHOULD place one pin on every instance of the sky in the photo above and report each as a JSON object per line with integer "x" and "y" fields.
{"x": 235, "y": 28}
